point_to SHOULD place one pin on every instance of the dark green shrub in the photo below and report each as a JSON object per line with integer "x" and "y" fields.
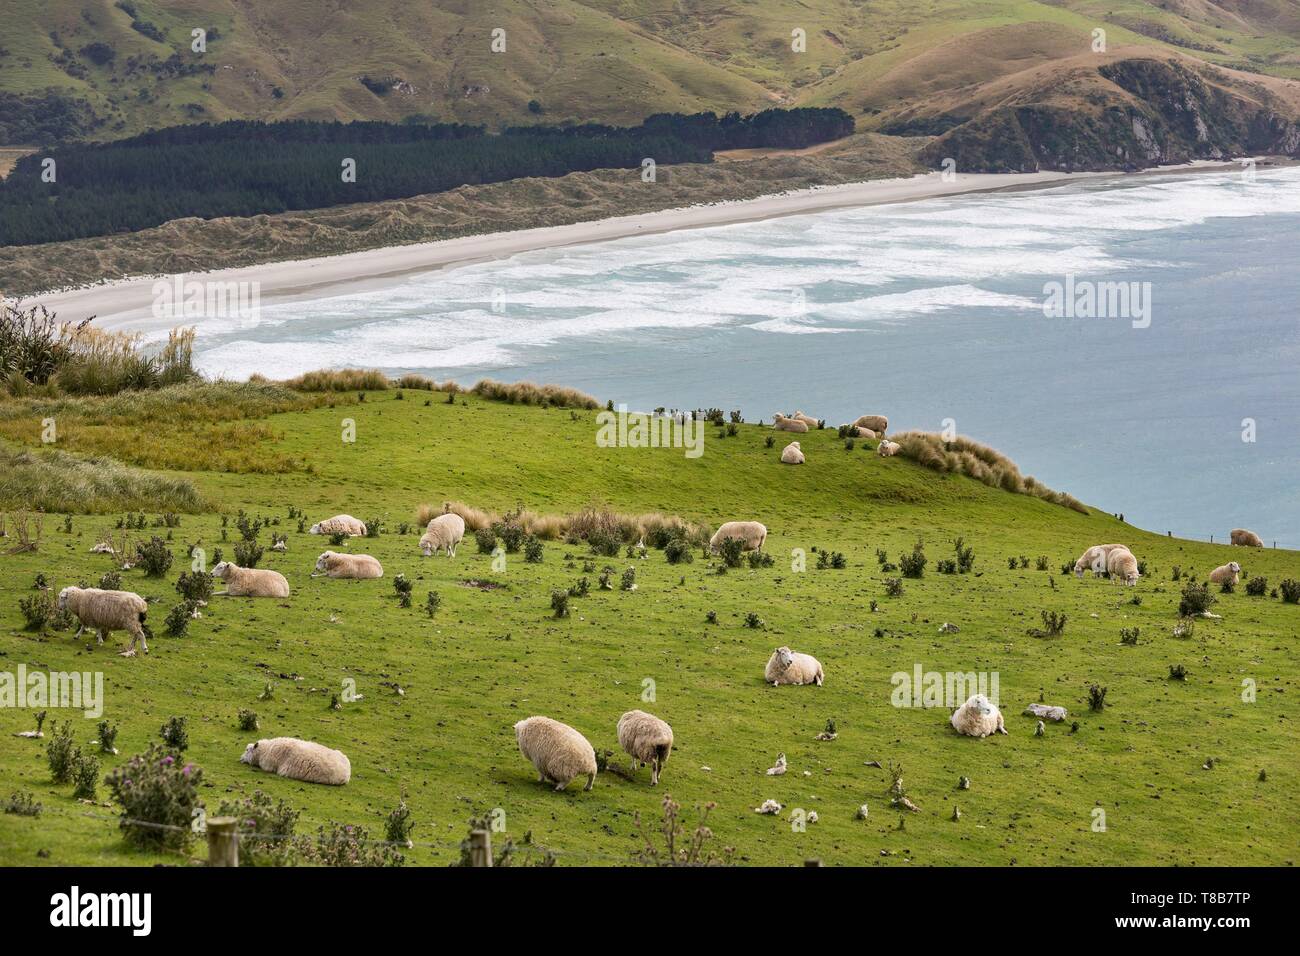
{"x": 560, "y": 603}
{"x": 85, "y": 775}
{"x": 402, "y": 585}
{"x": 1196, "y": 600}
{"x": 533, "y": 550}
{"x": 247, "y": 720}
{"x": 913, "y": 565}
{"x": 1257, "y": 586}
{"x": 432, "y": 602}
{"x": 753, "y": 620}
{"x": 894, "y": 587}
{"x": 732, "y": 551}
{"x": 60, "y": 753}
{"x": 248, "y": 553}
{"x": 175, "y": 733}
{"x": 195, "y": 585}
{"x": 679, "y": 551}
{"x": 158, "y": 797}
{"x": 264, "y": 829}
{"x": 111, "y": 581}
{"x": 154, "y": 557}
{"x": 1290, "y": 591}
{"x": 177, "y": 622}
{"x": 485, "y": 540}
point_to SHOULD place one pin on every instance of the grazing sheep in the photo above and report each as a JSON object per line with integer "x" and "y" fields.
{"x": 340, "y": 524}
{"x": 1089, "y": 558}
{"x": 791, "y": 455}
{"x": 808, "y": 420}
{"x": 877, "y": 423}
{"x": 888, "y": 449}
{"x": 558, "y": 751}
{"x": 250, "y": 582}
{"x": 647, "y": 739}
{"x": 978, "y": 718}
{"x": 783, "y": 424}
{"x": 107, "y": 611}
{"x": 751, "y": 534}
{"x": 299, "y": 760}
{"x": 443, "y": 534}
{"x": 1247, "y": 539}
{"x": 333, "y": 564}
{"x": 789, "y": 667}
{"x": 1122, "y": 566}
{"x": 1226, "y": 572}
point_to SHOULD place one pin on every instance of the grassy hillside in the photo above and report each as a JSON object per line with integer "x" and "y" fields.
{"x": 491, "y": 656}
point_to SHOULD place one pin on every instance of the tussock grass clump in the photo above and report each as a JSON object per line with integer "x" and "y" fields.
{"x": 341, "y": 380}
{"x": 961, "y": 456}
{"x": 593, "y": 522}
{"x": 54, "y": 481}
{"x": 528, "y": 393}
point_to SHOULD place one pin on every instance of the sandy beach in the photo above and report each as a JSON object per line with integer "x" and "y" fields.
{"x": 127, "y": 304}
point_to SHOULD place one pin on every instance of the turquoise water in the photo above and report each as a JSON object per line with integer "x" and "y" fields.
{"x": 924, "y": 312}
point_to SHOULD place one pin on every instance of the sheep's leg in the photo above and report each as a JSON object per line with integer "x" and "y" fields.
{"x": 560, "y": 786}
{"x": 225, "y": 592}
{"x": 79, "y": 630}
{"x": 99, "y": 633}
{"x": 654, "y": 772}
{"x": 591, "y": 781}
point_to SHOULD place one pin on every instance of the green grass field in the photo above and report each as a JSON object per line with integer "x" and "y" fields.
{"x": 491, "y": 657}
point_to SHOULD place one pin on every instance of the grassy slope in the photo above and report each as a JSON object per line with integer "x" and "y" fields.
{"x": 491, "y": 658}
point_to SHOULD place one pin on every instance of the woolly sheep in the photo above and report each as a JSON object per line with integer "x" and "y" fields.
{"x": 333, "y": 564}
{"x": 299, "y": 760}
{"x": 340, "y": 524}
{"x": 877, "y": 423}
{"x": 107, "y": 611}
{"x": 250, "y": 582}
{"x": 783, "y": 424}
{"x": 443, "y": 534}
{"x": 888, "y": 449}
{"x": 1089, "y": 558}
{"x": 1226, "y": 572}
{"x": 1122, "y": 566}
{"x": 789, "y": 667}
{"x": 751, "y": 534}
{"x": 1245, "y": 538}
{"x": 808, "y": 420}
{"x": 791, "y": 454}
{"x": 857, "y": 431}
{"x": 557, "y": 751}
{"x": 978, "y": 717}
{"x": 647, "y": 739}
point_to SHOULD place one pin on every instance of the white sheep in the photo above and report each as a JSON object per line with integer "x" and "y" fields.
{"x": 647, "y": 739}
{"x": 792, "y": 454}
{"x": 857, "y": 431}
{"x": 557, "y": 751}
{"x": 340, "y": 524}
{"x": 299, "y": 760}
{"x": 783, "y": 424}
{"x": 443, "y": 534}
{"x": 1247, "y": 539}
{"x": 334, "y": 564}
{"x": 250, "y": 582}
{"x": 1088, "y": 560}
{"x": 888, "y": 449}
{"x": 790, "y": 667}
{"x": 877, "y": 423}
{"x": 808, "y": 420}
{"x": 1226, "y": 572}
{"x": 1122, "y": 566}
{"x": 107, "y": 611}
{"x": 978, "y": 717}
{"x": 751, "y": 534}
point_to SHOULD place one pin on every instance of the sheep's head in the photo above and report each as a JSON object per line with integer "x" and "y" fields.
{"x": 794, "y": 444}
{"x": 323, "y": 561}
{"x": 1234, "y": 567}
{"x": 784, "y": 657}
{"x": 250, "y": 754}
{"x": 220, "y": 569}
{"x": 315, "y": 529}
{"x": 63, "y": 597}
{"x": 980, "y": 704}
{"x": 426, "y": 547}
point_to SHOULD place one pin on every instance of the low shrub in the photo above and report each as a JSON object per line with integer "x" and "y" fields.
{"x": 175, "y": 733}
{"x": 1195, "y": 601}
{"x": 154, "y": 557}
{"x": 158, "y": 796}
{"x": 195, "y": 585}
{"x": 266, "y": 829}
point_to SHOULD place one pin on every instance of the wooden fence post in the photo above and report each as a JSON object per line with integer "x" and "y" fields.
{"x": 223, "y": 841}
{"x": 480, "y": 848}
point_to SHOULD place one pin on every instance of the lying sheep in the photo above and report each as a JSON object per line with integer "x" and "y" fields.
{"x": 789, "y": 667}
{"x": 857, "y": 431}
{"x": 783, "y": 424}
{"x": 1247, "y": 539}
{"x": 877, "y": 423}
{"x": 107, "y": 611}
{"x": 299, "y": 760}
{"x": 791, "y": 454}
{"x": 340, "y": 524}
{"x": 978, "y": 717}
{"x": 1226, "y": 572}
{"x": 1122, "y": 566}
{"x": 250, "y": 582}
{"x": 647, "y": 739}
{"x": 443, "y": 534}
{"x": 559, "y": 752}
{"x": 808, "y": 420}
{"x": 751, "y": 535}
{"x": 888, "y": 449}
{"x": 1089, "y": 558}
{"x": 334, "y": 564}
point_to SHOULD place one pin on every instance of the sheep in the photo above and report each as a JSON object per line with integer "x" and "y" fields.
{"x": 647, "y": 739}
{"x": 1247, "y": 539}
{"x": 783, "y": 424}
{"x": 1122, "y": 566}
{"x": 877, "y": 423}
{"x": 443, "y": 533}
{"x": 340, "y": 524}
{"x": 978, "y": 717}
{"x": 751, "y": 535}
{"x": 808, "y": 420}
{"x": 887, "y": 449}
{"x": 557, "y": 751}
{"x": 1226, "y": 572}
{"x": 250, "y": 582}
{"x": 857, "y": 431}
{"x": 107, "y": 611}
{"x": 1088, "y": 559}
{"x": 791, "y": 454}
{"x": 789, "y": 667}
{"x": 333, "y": 564}
{"x": 299, "y": 760}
